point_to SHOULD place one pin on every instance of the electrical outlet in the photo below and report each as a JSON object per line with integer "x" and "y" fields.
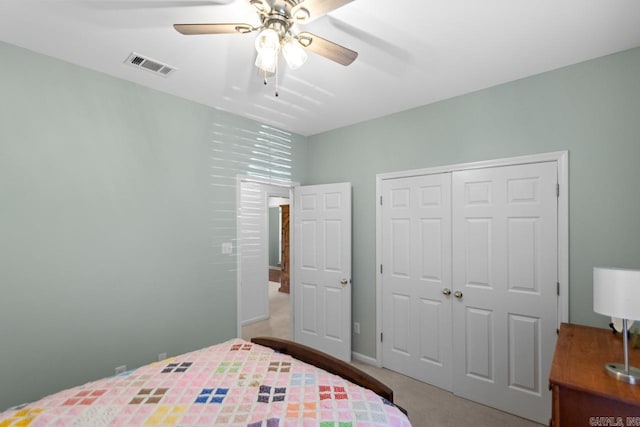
{"x": 162, "y": 356}
{"x": 356, "y": 327}
{"x": 121, "y": 369}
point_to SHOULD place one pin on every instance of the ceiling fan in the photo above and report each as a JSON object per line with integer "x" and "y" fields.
{"x": 276, "y": 33}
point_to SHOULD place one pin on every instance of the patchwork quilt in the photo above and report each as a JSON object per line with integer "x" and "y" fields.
{"x": 235, "y": 383}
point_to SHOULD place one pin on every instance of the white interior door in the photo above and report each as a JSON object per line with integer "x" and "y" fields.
{"x": 322, "y": 267}
{"x": 505, "y": 266}
{"x": 253, "y": 232}
{"x": 416, "y": 277}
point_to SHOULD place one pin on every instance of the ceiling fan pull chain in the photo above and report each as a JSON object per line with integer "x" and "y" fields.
{"x": 277, "y": 78}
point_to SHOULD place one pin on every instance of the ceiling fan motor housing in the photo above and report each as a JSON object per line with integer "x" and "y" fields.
{"x": 278, "y": 23}
{"x": 290, "y": 10}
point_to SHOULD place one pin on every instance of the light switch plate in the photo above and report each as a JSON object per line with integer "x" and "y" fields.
{"x": 227, "y": 248}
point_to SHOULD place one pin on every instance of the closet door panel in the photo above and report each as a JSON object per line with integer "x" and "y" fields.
{"x": 416, "y": 218}
{"x": 505, "y": 268}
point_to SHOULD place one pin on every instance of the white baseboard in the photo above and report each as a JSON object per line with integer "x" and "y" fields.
{"x": 254, "y": 320}
{"x": 364, "y": 359}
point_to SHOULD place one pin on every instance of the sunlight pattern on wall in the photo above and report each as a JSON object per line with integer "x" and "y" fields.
{"x": 263, "y": 153}
{"x": 239, "y": 147}
{"x": 258, "y": 153}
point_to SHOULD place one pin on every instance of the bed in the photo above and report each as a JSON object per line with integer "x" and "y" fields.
{"x": 264, "y": 383}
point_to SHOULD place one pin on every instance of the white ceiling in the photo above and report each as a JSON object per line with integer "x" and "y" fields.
{"x": 412, "y": 52}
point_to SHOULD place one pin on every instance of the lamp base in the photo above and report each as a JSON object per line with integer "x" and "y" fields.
{"x": 618, "y": 371}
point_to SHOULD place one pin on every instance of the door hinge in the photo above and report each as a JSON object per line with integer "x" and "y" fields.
{"x": 381, "y": 337}
{"x": 380, "y": 200}
{"x": 557, "y": 190}
{"x": 558, "y": 288}
{"x": 380, "y": 268}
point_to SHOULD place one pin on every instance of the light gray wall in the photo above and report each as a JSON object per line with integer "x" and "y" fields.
{"x": 591, "y": 109}
{"x": 114, "y": 201}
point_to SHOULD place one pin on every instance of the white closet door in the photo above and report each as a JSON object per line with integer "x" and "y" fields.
{"x": 416, "y": 256}
{"x": 505, "y": 265}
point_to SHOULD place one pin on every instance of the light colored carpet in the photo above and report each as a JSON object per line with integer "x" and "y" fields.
{"x": 430, "y": 406}
{"x": 278, "y": 323}
{"x": 427, "y": 405}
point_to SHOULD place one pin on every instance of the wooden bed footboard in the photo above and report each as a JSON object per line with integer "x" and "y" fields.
{"x": 328, "y": 363}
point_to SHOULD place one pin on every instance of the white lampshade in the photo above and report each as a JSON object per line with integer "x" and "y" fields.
{"x": 268, "y": 39}
{"x": 267, "y": 60}
{"x": 616, "y": 292}
{"x": 294, "y": 54}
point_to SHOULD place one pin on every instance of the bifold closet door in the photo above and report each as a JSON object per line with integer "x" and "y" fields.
{"x": 416, "y": 277}
{"x": 505, "y": 268}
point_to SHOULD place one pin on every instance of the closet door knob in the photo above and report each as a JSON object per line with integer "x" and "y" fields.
{"x": 344, "y": 282}
{"x": 457, "y": 294}
{"x": 446, "y": 291}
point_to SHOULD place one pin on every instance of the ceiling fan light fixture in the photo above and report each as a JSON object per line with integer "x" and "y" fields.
{"x": 268, "y": 39}
{"x": 267, "y": 60}
{"x": 294, "y": 54}
{"x": 275, "y": 34}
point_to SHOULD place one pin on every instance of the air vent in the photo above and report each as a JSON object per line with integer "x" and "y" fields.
{"x": 149, "y": 64}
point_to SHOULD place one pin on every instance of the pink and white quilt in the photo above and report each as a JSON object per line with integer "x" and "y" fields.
{"x": 236, "y": 383}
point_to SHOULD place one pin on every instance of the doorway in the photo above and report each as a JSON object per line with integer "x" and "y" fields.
{"x": 262, "y": 308}
{"x": 320, "y": 291}
{"x": 279, "y": 253}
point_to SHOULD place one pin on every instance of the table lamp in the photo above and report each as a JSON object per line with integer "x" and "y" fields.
{"x": 616, "y": 293}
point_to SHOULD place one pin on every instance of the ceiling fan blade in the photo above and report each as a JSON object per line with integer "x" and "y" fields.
{"x": 328, "y": 49}
{"x": 308, "y": 10}
{"x": 195, "y": 29}
{"x": 144, "y": 4}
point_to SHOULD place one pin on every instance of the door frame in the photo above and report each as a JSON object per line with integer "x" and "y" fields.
{"x": 562, "y": 161}
{"x": 278, "y": 183}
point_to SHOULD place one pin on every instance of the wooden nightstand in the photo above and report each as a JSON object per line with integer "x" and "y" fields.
{"x": 583, "y": 393}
